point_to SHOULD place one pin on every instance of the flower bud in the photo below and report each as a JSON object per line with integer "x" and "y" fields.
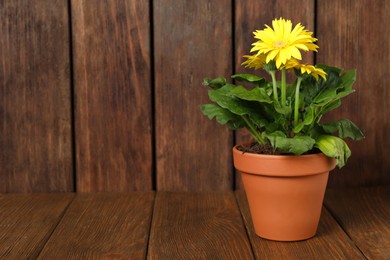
{"x": 270, "y": 66}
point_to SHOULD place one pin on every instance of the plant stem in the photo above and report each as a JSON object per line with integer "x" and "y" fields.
{"x": 283, "y": 87}
{"x": 276, "y": 98}
{"x": 296, "y": 107}
{"x": 253, "y": 131}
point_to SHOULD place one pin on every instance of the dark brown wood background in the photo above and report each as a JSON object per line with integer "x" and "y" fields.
{"x": 103, "y": 95}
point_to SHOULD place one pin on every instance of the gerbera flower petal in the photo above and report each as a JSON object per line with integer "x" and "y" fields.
{"x": 296, "y": 53}
{"x": 297, "y": 30}
{"x": 302, "y": 47}
{"x": 271, "y": 55}
{"x": 305, "y": 69}
{"x": 282, "y": 56}
{"x": 279, "y": 62}
{"x": 254, "y": 61}
{"x": 312, "y": 47}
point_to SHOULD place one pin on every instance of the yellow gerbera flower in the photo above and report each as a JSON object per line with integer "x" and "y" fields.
{"x": 305, "y": 68}
{"x": 254, "y": 61}
{"x": 281, "y": 43}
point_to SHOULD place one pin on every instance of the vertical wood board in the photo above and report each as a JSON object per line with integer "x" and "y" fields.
{"x": 35, "y": 117}
{"x": 192, "y": 40}
{"x": 112, "y": 79}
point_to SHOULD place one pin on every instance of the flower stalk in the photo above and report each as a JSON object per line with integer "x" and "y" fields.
{"x": 283, "y": 88}
{"x": 253, "y": 131}
{"x": 275, "y": 88}
{"x": 296, "y": 105}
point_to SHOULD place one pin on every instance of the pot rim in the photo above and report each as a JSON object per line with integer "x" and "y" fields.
{"x": 282, "y": 165}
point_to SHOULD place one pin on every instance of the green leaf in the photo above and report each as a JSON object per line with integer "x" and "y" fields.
{"x": 349, "y": 79}
{"x": 296, "y": 145}
{"x": 325, "y": 95}
{"x": 335, "y": 147}
{"x": 313, "y": 90}
{"x": 335, "y": 87}
{"x": 225, "y": 99}
{"x": 345, "y": 128}
{"x": 284, "y": 110}
{"x": 330, "y": 106}
{"x": 255, "y": 94}
{"x": 309, "y": 89}
{"x": 223, "y": 116}
{"x": 258, "y": 120}
{"x": 249, "y": 78}
{"x": 329, "y": 91}
{"x": 277, "y": 133}
{"x": 308, "y": 119}
{"x": 329, "y": 69}
{"x": 214, "y": 83}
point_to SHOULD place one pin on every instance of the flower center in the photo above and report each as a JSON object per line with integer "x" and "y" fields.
{"x": 280, "y": 44}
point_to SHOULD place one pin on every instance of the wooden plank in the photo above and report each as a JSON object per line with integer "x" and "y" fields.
{"x": 192, "y": 40}
{"x": 197, "y": 226}
{"x": 103, "y": 226}
{"x": 35, "y": 124}
{"x": 364, "y": 213}
{"x": 345, "y": 39}
{"x": 27, "y": 221}
{"x": 112, "y": 79}
{"x": 251, "y": 15}
{"x": 330, "y": 241}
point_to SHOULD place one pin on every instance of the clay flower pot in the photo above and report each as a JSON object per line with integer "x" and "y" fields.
{"x": 285, "y": 192}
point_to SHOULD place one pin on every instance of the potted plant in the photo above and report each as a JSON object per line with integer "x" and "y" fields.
{"x": 285, "y": 168}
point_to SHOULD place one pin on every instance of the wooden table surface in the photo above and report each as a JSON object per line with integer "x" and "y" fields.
{"x": 355, "y": 224}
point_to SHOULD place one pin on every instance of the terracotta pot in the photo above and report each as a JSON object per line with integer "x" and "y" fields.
{"x": 285, "y": 192}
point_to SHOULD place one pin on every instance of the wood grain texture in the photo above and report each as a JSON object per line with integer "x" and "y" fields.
{"x": 346, "y": 40}
{"x": 251, "y": 15}
{"x": 330, "y": 241}
{"x": 197, "y": 226}
{"x": 192, "y": 40}
{"x": 103, "y": 226}
{"x": 35, "y": 124}
{"x": 364, "y": 213}
{"x": 27, "y": 221}
{"x": 112, "y": 79}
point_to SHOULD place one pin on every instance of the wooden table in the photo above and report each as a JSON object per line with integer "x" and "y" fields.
{"x": 355, "y": 224}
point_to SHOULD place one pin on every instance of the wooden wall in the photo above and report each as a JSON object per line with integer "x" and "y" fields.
{"x": 103, "y": 95}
